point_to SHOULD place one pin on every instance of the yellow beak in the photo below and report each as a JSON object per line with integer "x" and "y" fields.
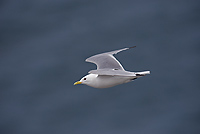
{"x": 78, "y": 82}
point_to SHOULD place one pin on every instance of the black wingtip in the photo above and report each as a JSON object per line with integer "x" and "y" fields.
{"x": 132, "y": 47}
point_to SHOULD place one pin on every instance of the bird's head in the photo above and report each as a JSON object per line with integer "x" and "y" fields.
{"x": 87, "y": 80}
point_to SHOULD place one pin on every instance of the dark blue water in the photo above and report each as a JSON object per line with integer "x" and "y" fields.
{"x": 44, "y": 45}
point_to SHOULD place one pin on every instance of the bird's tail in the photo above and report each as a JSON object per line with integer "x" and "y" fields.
{"x": 142, "y": 73}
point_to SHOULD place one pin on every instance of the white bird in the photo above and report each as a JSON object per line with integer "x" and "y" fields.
{"x": 109, "y": 71}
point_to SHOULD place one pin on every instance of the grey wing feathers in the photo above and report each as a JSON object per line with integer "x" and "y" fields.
{"x": 112, "y": 72}
{"x": 117, "y": 51}
{"x": 107, "y": 60}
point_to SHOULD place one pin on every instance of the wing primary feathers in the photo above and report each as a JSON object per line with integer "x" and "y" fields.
{"x": 132, "y": 47}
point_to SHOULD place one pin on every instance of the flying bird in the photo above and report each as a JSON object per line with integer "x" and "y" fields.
{"x": 109, "y": 71}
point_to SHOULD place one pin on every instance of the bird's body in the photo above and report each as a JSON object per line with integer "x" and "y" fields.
{"x": 109, "y": 72}
{"x": 106, "y": 81}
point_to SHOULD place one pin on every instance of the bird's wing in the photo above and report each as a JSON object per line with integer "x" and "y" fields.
{"x": 112, "y": 72}
{"x": 107, "y": 60}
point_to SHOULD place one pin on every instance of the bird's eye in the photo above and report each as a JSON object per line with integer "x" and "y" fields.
{"x": 84, "y": 79}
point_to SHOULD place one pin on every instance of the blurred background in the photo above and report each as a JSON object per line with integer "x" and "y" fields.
{"x": 43, "y": 47}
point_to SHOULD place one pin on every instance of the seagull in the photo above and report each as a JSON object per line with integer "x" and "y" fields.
{"x": 109, "y": 71}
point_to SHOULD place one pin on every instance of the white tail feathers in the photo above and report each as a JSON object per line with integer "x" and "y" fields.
{"x": 142, "y": 73}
